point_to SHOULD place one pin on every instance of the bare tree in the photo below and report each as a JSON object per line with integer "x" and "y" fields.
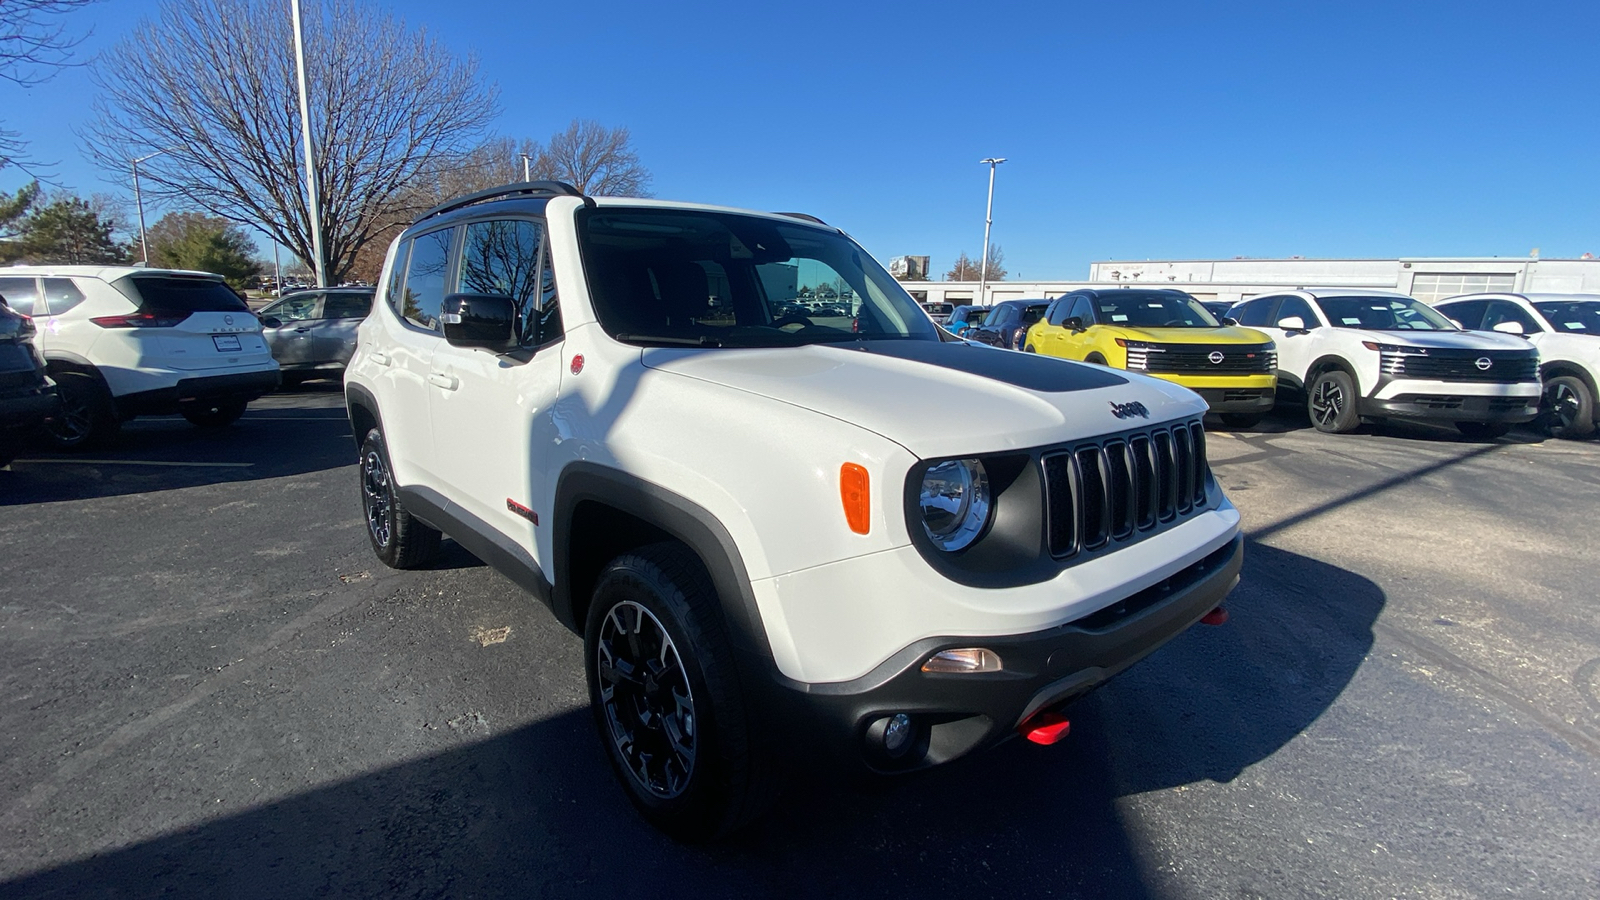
{"x": 210, "y": 86}
{"x": 966, "y": 268}
{"x": 34, "y": 43}
{"x": 597, "y": 160}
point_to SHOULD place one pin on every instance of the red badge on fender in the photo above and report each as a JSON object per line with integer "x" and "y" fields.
{"x": 577, "y": 363}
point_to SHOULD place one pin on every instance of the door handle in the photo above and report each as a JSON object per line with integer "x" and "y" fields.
{"x": 381, "y": 359}
{"x": 301, "y": 330}
{"x": 448, "y": 382}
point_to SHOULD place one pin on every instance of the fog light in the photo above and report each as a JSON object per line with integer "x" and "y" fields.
{"x": 968, "y": 659}
{"x": 897, "y": 734}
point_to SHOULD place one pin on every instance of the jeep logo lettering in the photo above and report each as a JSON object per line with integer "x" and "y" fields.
{"x": 1215, "y": 357}
{"x": 1129, "y": 410}
{"x": 1484, "y": 363}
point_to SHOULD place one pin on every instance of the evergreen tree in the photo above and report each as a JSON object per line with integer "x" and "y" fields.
{"x": 67, "y": 230}
{"x": 191, "y": 240}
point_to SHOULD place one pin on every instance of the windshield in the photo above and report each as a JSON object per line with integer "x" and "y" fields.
{"x": 684, "y": 277}
{"x": 1382, "y": 314}
{"x": 1572, "y": 316}
{"x": 1152, "y": 309}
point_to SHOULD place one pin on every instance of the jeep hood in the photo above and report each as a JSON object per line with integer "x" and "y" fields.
{"x": 939, "y": 398}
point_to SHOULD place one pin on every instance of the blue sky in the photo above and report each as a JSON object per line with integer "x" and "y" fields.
{"x": 1133, "y": 130}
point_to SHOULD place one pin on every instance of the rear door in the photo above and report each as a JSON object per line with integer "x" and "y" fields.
{"x": 334, "y": 333}
{"x": 291, "y": 339}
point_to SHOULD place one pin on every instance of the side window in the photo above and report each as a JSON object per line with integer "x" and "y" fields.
{"x": 60, "y": 295}
{"x": 397, "y": 275}
{"x": 1295, "y": 306}
{"x": 502, "y": 258}
{"x": 1258, "y": 312}
{"x": 22, "y": 293}
{"x": 1503, "y": 311}
{"x": 348, "y": 305}
{"x": 1468, "y": 312}
{"x": 549, "y": 303}
{"x": 295, "y": 307}
{"x": 423, "y": 294}
{"x": 1083, "y": 309}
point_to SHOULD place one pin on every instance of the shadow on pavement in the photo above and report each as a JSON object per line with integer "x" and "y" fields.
{"x": 280, "y": 435}
{"x": 535, "y": 813}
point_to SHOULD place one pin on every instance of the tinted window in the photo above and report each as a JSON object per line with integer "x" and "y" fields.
{"x": 549, "y": 328}
{"x": 20, "y": 293}
{"x": 502, "y": 258}
{"x": 175, "y": 293}
{"x": 657, "y": 277}
{"x": 423, "y": 293}
{"x": 60, "y": 295}
{"x": 1382, "y": 314}
{"x": 1151, "y": 309}
{"x": 1083, "y": 309}
{"x": 1296, "y": 306}
{"x": 1506, "y": 311}
{"x": 1468, "y": 312}
{"x": 1258, "y": 312}
{"x": 1572, "y": 316}
{"x": 397, "y": 275}
{"x": 347, "y": 305}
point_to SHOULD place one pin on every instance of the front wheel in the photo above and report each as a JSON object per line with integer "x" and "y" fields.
{"x": 667, "y": 700}
{"x": 1570, "y": 407}
{"x": 1332, "y": 403}
{"x": 85, "y": 417}
{"x": 398, "y": 538}
{"x": 215, "y": 413}
{"x": 1482, "y": 431}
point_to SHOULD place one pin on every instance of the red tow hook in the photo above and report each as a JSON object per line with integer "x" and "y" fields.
{"x": 1046, "y": 728}
{"x": 1218, "y": 616}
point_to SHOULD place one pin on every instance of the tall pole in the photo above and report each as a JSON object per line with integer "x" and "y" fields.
{"x": 144, "y": 245}
{"x": 526, "y": 170}
{"x": 988, "y": 219}
{"x": 277, "y": 270}
{"x": 305, "y": 137}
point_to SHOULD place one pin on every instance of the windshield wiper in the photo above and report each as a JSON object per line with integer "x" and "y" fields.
{"x": 704, "y": 340}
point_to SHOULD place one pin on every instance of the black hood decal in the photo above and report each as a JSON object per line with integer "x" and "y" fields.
{"x": 1023, "y": 370}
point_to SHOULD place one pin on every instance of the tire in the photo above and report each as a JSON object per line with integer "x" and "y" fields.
{"x": 216, "y": 413}
{"x": 398, "y": 538}
{"x": 1029, "y": 349}
{"x": 1482, "y": 431}
{"x": 1331, "y": 402}
{"x": 703, "y": 769}
{"x": 1569, "y": 407}
{"x": 86, "y": 417}
{"x": 1095, "y": 359}
{"x": 1241, "y": 420}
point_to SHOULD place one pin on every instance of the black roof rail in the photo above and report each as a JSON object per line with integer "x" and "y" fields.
{"x": 557, "y": 188}
{"x": 807, "y": 216}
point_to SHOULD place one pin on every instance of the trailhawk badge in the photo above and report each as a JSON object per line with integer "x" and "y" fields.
{"x": 1129, "y": 410}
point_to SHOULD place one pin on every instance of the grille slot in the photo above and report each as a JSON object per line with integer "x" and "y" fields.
{"x": 1124, "y": 488}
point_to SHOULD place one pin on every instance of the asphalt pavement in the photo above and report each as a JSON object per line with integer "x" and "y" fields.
{"x": 209, "y": 687}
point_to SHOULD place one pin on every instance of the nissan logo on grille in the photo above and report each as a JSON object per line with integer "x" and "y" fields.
{"x": 1129, "y": 410}
{"x": 1215, "y": 357}
{"x": 1484, "y": 363}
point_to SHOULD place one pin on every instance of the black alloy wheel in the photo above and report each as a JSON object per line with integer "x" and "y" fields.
{"x": 1569, "y": 407}
{"x": 647, "y": 700}
{"x": 84, "y": 416}
{"x": 1331, "y": 403}
{"x": 400, "y": 540}
{"x": 377, "y": 497}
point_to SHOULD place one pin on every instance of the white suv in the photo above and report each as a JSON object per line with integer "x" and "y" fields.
{"x": 122, "y": 342}
{"x": 1565, "y": 328}
{"x": 1358, "y": 354}
{"x": 771, "y": 534}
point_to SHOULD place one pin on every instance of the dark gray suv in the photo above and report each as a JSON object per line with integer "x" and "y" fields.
{"x": 27, "y": 397}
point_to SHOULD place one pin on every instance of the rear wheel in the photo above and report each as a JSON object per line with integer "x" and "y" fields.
{"x": 215, "y": 413}
{"x": 1241, "y": 420}
{"x": 1569, "y": 407}
{"x": 85, "y": 417}
{"x": 1331, "y": 402}
{"x": 398, "y": 538}
{"x": 677, "y": 726}
{"x": 1482, "y": 431}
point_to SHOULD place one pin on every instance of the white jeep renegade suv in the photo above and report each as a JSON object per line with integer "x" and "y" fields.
{"x": 123, "y": 341}
{"x": 1358, "y": 354}
{"x": 1566, "y": 330}
{"x": 772, "y": 536}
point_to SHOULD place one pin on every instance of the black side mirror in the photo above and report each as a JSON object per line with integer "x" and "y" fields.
{"x": 484, "y": 321}
{"x": 1226, "y": 320}
{"x": 1073, "y": 323}
{"x": 271, "y": 322}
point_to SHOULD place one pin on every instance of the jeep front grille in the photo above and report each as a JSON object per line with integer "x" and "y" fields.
{"x": 1123, "y": 488}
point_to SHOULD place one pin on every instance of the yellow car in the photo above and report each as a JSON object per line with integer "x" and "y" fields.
{"x": 1167, "y": 334}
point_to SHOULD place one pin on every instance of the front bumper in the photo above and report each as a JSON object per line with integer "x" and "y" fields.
{"x": 1238, "y": 400}
{"x": 1453, "y": 407}
{"x": 954, "y": 715}
{"x": 23, "y": 410}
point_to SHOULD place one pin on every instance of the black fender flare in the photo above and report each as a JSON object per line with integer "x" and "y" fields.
{"x": 63, "y": 360}
{"x": 357, "y": 397}
{"x": 677, "y": 516}
{"x": 1334, "y": 361}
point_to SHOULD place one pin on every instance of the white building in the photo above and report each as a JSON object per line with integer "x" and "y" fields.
{"x": 1427, "y": 279}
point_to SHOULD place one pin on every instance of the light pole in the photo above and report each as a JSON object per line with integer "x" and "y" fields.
{"x": 988, "y": 219}
{"x": 526, "y": 171}
{"x": 305, "y": 136}
{"x": 138, "y": 201}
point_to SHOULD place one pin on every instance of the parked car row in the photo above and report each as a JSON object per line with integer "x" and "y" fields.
{"x": 1483, "y": 362}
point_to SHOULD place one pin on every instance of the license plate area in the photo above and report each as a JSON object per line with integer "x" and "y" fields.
{"x": 226, "y": 343}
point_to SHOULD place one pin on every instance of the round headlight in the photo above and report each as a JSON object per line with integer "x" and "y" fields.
{"x": 955, "y": 503}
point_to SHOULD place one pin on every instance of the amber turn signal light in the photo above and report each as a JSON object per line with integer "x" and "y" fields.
{"x": 853, "y": 490}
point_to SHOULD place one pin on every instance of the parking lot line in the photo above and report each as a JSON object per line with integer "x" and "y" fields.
{"x": 134, "y": 462}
